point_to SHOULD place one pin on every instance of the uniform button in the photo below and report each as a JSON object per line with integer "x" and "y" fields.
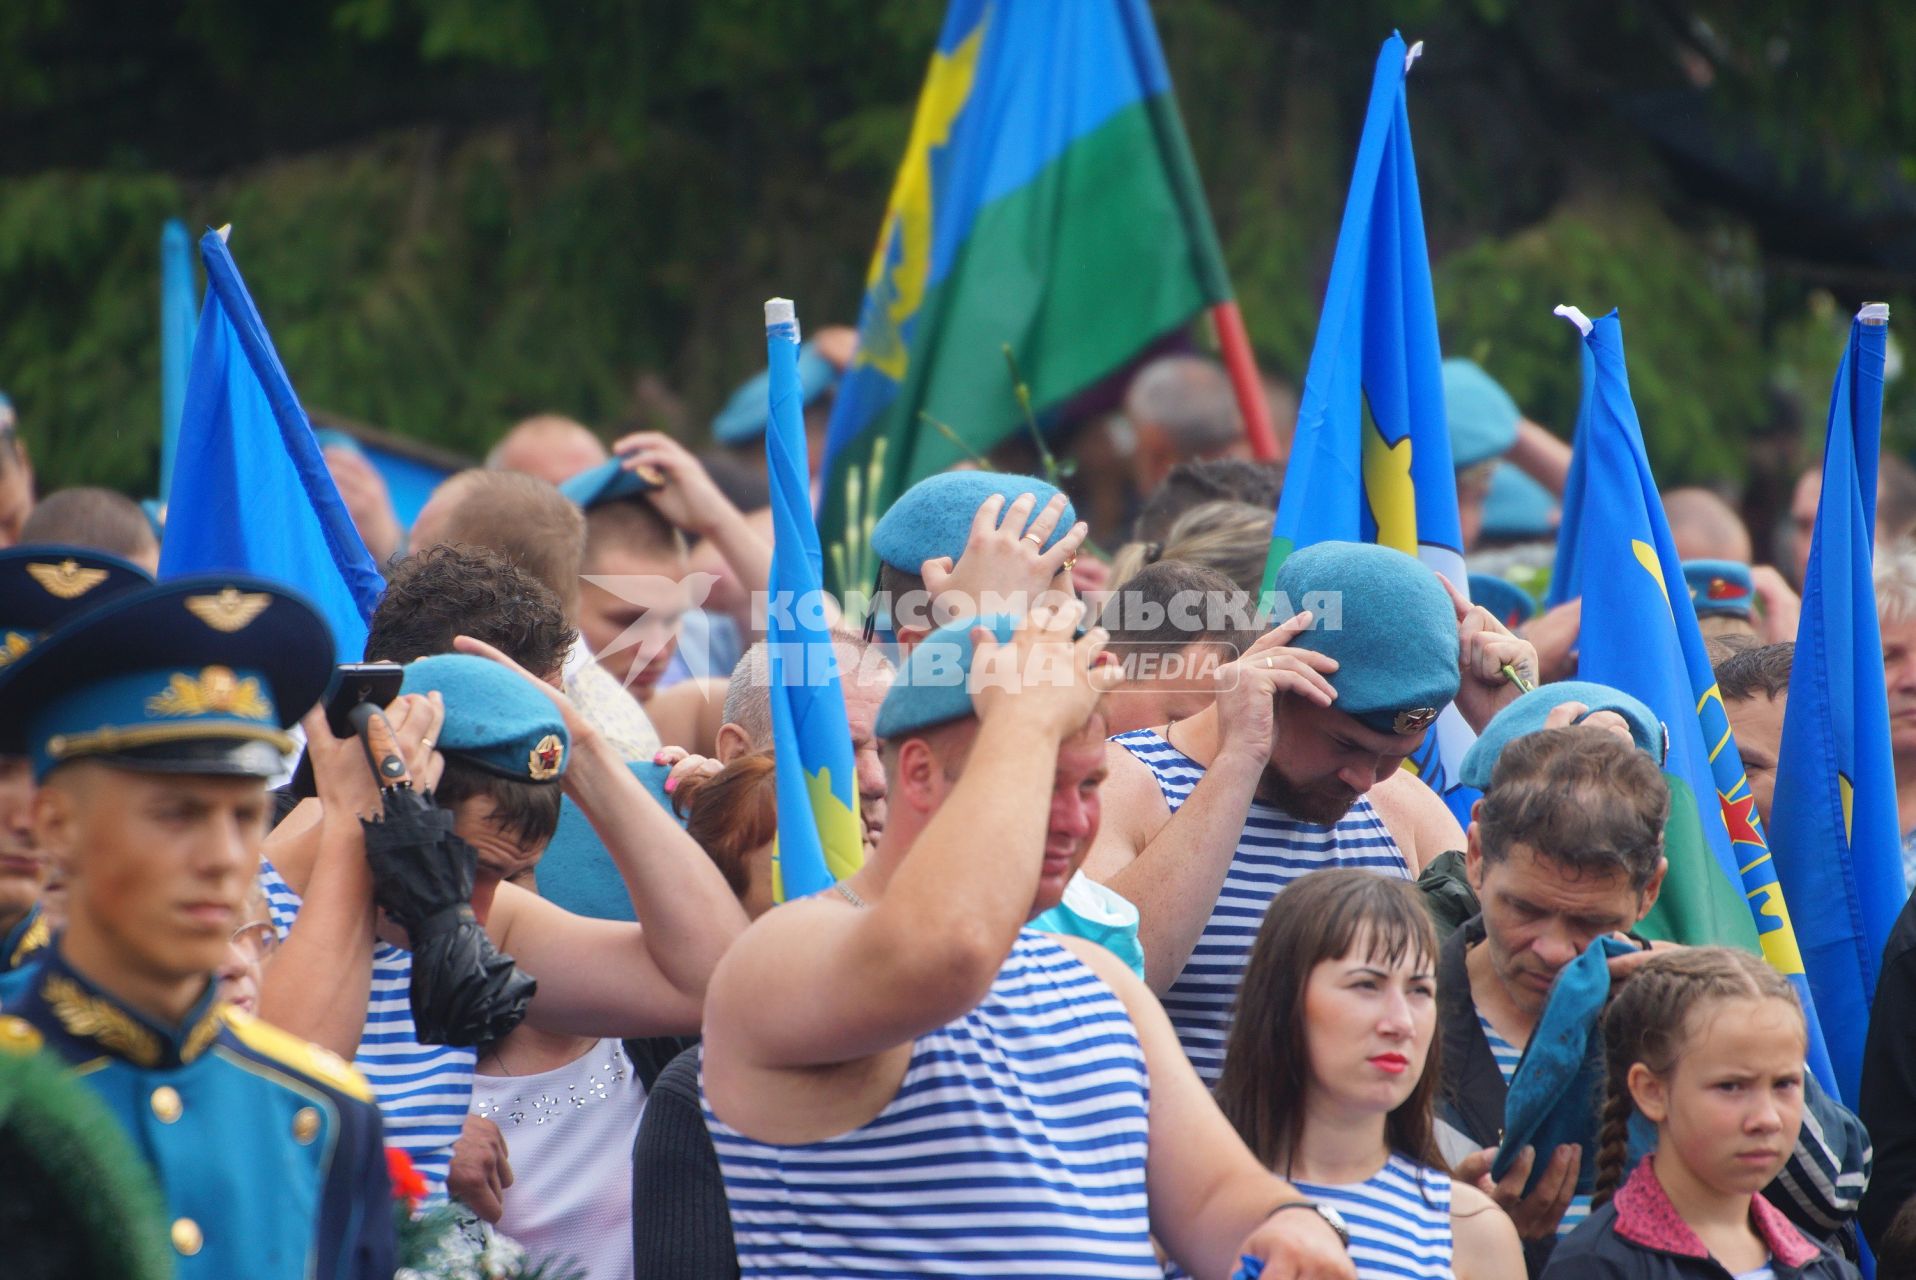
{"x": 305, "y": 1125}
{"x": 186, "y": 1237}
{"x": 166, "y": 1105}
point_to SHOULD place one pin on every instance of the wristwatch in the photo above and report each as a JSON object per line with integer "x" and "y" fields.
{"x": 1331, "y": 1217}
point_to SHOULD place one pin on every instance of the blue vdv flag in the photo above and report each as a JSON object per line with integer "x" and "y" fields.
{"x": 179, "y": 316}
{"x": 819, "y": 840}
{"x": 250, "y": 491}
{"x": 1640, "y": 635}
{"x": 1384, "y": 476}
{"x": 1833, "y": 820}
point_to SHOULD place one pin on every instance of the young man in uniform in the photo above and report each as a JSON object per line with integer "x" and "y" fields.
{"x": 152, "y": 723}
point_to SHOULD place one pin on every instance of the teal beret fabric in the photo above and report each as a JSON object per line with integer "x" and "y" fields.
{"x": 1097, "y": 914}
{"x": 1720, "y": 588}
{"x": 1482, "y": 416}
{"x": 931, "y": 686}
{"x": 1396, "y": 635}
{"x": 746, "y": 410}
{"x": 495, "y": 718}
{"x": 1518, "y": 507}
{"x": 577, "y": 873}
{"x": 607, "y": 482}
{"x": 933, "y": 517}
{"x": 199, "y": 675}
{"x": 1508, "y": 603}
{"x": 1553, "y": 1098}
{"x": 1527, "y": 714}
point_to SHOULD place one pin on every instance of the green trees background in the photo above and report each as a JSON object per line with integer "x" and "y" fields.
{"x": 453, "y": 212}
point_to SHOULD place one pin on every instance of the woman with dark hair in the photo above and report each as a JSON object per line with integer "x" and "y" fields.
{"x": 1330, "y": 1071}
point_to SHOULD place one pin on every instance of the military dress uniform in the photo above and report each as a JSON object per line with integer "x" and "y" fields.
{"x": 268, "y": 1150}
{"x": 41, "y": 586}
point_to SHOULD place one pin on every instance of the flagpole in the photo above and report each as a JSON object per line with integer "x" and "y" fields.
{"x": 1239, "y": 361}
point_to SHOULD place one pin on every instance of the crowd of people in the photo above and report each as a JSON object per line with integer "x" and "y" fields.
{"x": 1160, "y": 963}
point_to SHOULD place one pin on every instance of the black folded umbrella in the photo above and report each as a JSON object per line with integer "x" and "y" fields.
{"x": 464, "y": 990}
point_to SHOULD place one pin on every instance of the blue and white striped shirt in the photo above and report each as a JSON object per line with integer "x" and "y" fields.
{"x": 1274, "y": 850}
{"x": 423, "y": 1091}
{"x": 1399, "y": 1220}
{"x": 1014, "y": 1148}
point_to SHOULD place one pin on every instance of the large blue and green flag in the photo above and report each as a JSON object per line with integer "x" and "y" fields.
{"x": 1833, "y": 816}
{"x": 819, "y": 838}
{"x": 1382, "y": 475}
{"x": 1640, "y": 635}
{"x": 1048, "y": 204}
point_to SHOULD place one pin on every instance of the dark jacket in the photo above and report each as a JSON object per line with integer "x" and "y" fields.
{"x": 1819, "y": 1190}
{"x": 1640, "y": 1236}
{"x": 681, "y": 1222}
{"x": 1887, "y": 1099}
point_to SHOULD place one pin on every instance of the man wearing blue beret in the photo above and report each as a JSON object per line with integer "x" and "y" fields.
{"x": 40, "y": 587}
{"x": 151, "y": 757}
{"x": 1565, "y": 849}
{"x": 1294, "y": 767}
{"x": 967, "y": 543}
{"x": 942, "y": 1090}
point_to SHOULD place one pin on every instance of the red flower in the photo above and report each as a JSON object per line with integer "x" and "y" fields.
{"x": 408, "y": 1185}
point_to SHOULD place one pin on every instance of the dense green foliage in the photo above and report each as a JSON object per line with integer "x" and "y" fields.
{"x": 453, "y": 212}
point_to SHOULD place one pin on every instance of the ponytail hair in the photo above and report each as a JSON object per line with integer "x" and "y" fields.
{"x": 1651, "y": 1021}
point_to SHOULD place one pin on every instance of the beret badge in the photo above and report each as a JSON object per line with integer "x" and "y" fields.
{"x": 546, "y": 758}
{"x": 1415, "y": 720}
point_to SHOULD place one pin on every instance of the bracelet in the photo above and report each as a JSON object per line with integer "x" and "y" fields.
{"x": 1332, "y": 1219}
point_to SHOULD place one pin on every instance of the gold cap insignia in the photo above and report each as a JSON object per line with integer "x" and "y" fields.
{"x": 217, "y": 691}
{"x": 1416, "y": 720}
{"x": 546, "y": 758}
{"x": 19, "y": 1038}
{"x": 229, "y": 611}
{"x": 13, "y": 645}
{"x": 66, "y": 580}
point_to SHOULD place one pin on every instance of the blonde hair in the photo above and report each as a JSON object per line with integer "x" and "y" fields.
{"x": 1652, "y": 1020}
{"x": 1896, "y": 582}
{"x": 1231, "y": 537}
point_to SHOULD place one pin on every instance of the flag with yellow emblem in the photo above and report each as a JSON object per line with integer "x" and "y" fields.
{"x": 819, "y": 837}
{"x": 1384, "y": 476}
{"x": 1048, "y": 204}
{"x": 1640, "y": 635}
{"x": 1833, "y": 816}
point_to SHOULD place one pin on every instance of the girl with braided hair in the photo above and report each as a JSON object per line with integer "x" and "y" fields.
{"x": 1329, "y": 1076}
{"x": 1707, "y": 1044}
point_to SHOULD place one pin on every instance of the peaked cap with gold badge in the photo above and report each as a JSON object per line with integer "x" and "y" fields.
{"x": 200, "y": 675}
{"x": 44, "y": 585}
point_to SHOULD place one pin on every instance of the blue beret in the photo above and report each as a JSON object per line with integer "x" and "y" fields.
{"x": 198, "y": 675}
{"x": 931, "y": 687}
{"x": 577, "y": 873}
{"x": 1720, "y": 588}
{"x": 743, "y": 418}
{"x": 42, "y": 586}
{"x": 1390, "y": 625}
{"x": 1518, "y": 507}
{"x": 1508, "y": 603}
{"x": 933, "y": 517}
{"x": 1552, "y": 1096}
{"x": 495, "y": 718}
{"x": 1527, "y": 714}
{"x": 607, "y": 482}
{"x": 1482, "y": 416}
